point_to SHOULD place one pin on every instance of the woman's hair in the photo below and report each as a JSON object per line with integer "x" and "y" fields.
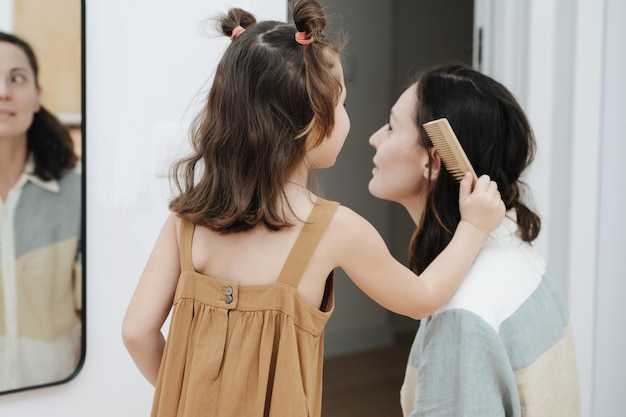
{"x": 48, "y": 140}
{"x": 498, "y": 140}
{"x": 271, "y": 100}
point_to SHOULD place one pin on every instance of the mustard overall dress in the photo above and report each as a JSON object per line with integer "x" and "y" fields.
{"x": 246, "y": 350}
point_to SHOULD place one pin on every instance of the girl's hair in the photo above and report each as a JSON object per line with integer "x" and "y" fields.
{"x": 272, "y": 99}
{"x": 497, "y": 138}
{"x": 48, "y": 140}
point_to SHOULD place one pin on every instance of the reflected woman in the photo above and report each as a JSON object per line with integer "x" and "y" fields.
{"x": 40, "y": 229}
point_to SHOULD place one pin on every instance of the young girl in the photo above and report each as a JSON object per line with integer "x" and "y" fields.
{"x": 246, "y": 257}
{"x": 502, "y": 345}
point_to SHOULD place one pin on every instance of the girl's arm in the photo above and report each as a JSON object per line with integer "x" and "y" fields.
{"x": 152, "y": 302}
{"x": 364, "y": 256}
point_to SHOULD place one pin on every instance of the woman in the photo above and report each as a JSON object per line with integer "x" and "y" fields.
{"x": 40, "y": 227}
{"x": 502, "y": 345}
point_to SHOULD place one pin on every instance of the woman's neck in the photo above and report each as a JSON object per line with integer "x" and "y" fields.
{"x": 13, "y": 155}
{"x": 415, "y": 207}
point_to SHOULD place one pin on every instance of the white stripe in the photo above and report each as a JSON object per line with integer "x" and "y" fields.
{"x": 505, "y": 273}
{"x": 10, "y": 351}
{"x": 44, "y": 362}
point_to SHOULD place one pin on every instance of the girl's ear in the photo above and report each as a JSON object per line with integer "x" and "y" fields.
{"x": 432, "y": 165}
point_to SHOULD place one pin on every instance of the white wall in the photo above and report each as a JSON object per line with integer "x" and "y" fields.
{"x": 584, "y": 187}
{"x": 146, "y": 60}
{"x": 572, "y": 86}
{"x": 6, "y": 15}
{"x": 610, "y": 333}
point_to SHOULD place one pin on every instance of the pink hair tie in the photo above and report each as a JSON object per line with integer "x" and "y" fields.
{"x": 301, "y": 38}
{"x": 236, "y": 32}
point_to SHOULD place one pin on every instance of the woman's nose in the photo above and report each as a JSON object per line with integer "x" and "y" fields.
{"x": 4, "y": 89}
{"x": 374, "y": 140}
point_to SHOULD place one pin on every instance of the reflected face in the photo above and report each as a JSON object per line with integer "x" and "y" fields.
{"x": 19, "y": 95}
{"x": 398, "y": 173}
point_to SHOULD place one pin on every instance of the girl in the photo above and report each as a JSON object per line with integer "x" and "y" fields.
{"x": 246, "y": 257}
{"x": 502, "y": 345}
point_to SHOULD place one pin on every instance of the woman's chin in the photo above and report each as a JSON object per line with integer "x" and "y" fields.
{"x": 371, "y": 187}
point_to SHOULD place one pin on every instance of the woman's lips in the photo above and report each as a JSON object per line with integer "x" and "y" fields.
{"x": 5, "y": 114}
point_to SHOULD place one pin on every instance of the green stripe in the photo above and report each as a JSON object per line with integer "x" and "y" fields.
{"x": 43, "y": 218}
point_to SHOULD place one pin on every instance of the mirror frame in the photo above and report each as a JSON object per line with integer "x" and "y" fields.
{"x": 83, "y": 232}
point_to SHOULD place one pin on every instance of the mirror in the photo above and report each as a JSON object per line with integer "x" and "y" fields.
{"x": 42, "y": 208}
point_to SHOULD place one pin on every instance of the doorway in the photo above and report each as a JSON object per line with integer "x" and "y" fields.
{"x": 388, "y": 42}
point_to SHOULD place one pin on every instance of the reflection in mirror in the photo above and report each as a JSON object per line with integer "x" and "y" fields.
{"x": 41, "y": 189}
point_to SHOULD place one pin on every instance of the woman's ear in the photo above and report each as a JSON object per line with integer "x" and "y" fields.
{"x": 37, "y": 101}
{"x": 432, "y": 164}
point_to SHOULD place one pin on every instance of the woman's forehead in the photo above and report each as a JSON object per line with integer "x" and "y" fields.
{"x": 405, "y": 105}
{"x": 13, "y": 57}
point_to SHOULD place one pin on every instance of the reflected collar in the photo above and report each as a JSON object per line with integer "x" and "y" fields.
{"x": 29, "y": 173}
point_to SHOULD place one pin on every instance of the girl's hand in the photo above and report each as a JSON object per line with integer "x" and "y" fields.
{"x": 483, "y": 207}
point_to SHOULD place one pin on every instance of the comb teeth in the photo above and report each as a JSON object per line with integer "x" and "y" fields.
{"x": 449, "y": 149}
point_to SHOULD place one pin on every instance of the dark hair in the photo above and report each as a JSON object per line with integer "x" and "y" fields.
{"x": 271, "y": 100}
{"x": 48, "y": 140}
{"x": 497, "y": 138}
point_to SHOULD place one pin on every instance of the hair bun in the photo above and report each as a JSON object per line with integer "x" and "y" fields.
{"x": 235, "y": 17}
{"x": 308, "y": 16}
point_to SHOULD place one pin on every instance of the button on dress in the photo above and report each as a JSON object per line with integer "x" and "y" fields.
{"x": 246, "y": 350}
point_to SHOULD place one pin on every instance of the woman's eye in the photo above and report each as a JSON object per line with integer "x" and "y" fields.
{"x": 18, "y": 78}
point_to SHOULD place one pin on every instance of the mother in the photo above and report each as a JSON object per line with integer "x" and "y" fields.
{"x": 502, "y": 345}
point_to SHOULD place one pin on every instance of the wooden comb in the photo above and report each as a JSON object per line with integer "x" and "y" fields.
{"x": 449, "y": 149}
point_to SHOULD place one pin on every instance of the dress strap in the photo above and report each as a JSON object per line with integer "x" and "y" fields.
{"x": 302, "y": 251}
{"x": 185, "y": 236}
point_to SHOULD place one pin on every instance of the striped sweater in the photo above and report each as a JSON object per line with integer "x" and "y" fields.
{"x": 501, "y": 346}
{"x": 40, "y": 281}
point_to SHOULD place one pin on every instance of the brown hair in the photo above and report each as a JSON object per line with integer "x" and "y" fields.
{"x": 497, "y": 138}
{"x": 271, "y": 100}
